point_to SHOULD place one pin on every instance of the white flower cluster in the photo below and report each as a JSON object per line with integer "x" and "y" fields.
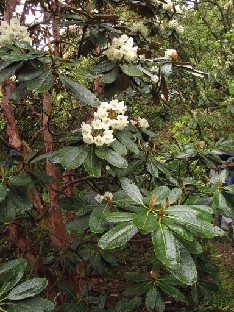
{"x": 168, "y": 6}
{"x": 13, "y": 31}
{"x": 108, "y": 196}
{"x": 120, "y": 48}
{"x": 140, "y": 27}
{"x": 140, "y": 122}
{"x": 173, "y": 24}
{"x": 109, "y": 117}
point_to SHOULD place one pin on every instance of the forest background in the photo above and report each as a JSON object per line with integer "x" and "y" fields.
{"x": 113, "y": 114}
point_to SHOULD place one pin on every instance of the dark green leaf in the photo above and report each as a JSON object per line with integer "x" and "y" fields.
{"x": 119, "y": 217}
{"x": 154, "y": 300}
{"x": 78, "y": 225}
{"x": 131, "y": 70}
{"x": 117, "y": 236}
{"x": 171, "y": 291}
{"x": 28, "y": 289}
{"x": 72, "y": 307}
{"x": 20, "y": 180}
{"x": 160, "y": 194}
{"x": 145, "y": 221}
{"x": 3, "y": 191}
{"x": 31, "y": 75}
{"x": 136, "y": 277}
{"x": 93, "y": 165}
{"x": 70, "y": 157}
{"x": 128, "y": 306}
{"x": 111, "y": 157}
{"x": 132, "y": 191}
{"x": 16, "y": 57}
{"x": 97, "y": 219}
{"x": 110, "y": 76}
{"x": 35, "y": 304}
{"x": 178, "y": 229}
{"x": 187, "y": 272}
{"x": 175, "y": 195}
{"x": 80, "y": 92}
{"x": 98, "y": 37}
{"x": 126, "y": 138}
{"x": 7, "y": 72}
{"x": 42, "y": 83}
{"x": 152, "y": 167}
{"x": 20, "y": 92}
{"x": 104, "y": 66}
{"x": 119, "y": 148}
{"x": 139, "y": 289}
{"x": 166, "y": 246}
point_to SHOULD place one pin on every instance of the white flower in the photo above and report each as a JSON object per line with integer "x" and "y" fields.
{"x": 97, "y": 124}
{"x": 120, "y": 123}
{"x": 180, "y": 29}
{"x": 168, "y": 6}
{"x": 108, "y": 196}
{"x": 100, "y": 114}
{"x": 173, "y": 24}
{"x": 140, "y": 27}
{"x": 98, "y": 140}
{"x": 120, "y": 48}
{"x": 88, "y": 139}
{"x": 107, "y": 168}
{"x": 86, "y": 128}
{"x": 99, "y": 198}
{"x": 13, "y": 31}
{"x": 143, "y": 123}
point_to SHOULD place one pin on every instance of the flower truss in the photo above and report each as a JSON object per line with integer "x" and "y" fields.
{"x": 108, "y": 196}
{"x": 13, "y": 31}
{"x": 109, "y": 116}
{"x": 122, "y": 48}
{"x": 140, "y": 122}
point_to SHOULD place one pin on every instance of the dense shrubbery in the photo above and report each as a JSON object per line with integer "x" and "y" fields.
{"x": 105, "y": 139}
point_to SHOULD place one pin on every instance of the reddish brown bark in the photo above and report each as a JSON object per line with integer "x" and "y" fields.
{"x": 54, "y": 218}
{"x": 12, "y": 131}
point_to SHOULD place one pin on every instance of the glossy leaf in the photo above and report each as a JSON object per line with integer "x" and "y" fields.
{"x": 224, "y": 203}
{"x": 132, "y": 191}
{"x": 78, "y": 225}
{"x": 187, "y": 272}
{"x": 7, "y": 72}
{"x": 178, "y": 229}
{"x": 92, "y": 165}
{"x": 119, "y": 217}
{"x": 128, "y": 305}
{"x": 136, "y": 277}
{"x": 117, "y": 236}
{"x": 11, "y": 273}
{"x": 172, "y": 291}
{"x": 126, "y": 139}
{"x": 160, "y": 194}
{"x": 70, "y": 157}
{"x": 28, "y": 289}
{"x": 119, "y": 148}
{"x": 104, "y": 66}
{"x": 154, "y": 300}
{"x": 131, "y": 70}
{"x": 80, "y": 92}
{"x": 3, "y": 191}
{"x": 145, "y": 221}
{"x": 110, "y": 76}
{"x": 20, "y": 180}
{"x": 166, "y": 246}
{"x": 152, "y": 168}
{"x": 37, "y": 304}
{"x": 175, "y": 195}
{"x": 97, "y": 219}
{"x": 42, "y": 83}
